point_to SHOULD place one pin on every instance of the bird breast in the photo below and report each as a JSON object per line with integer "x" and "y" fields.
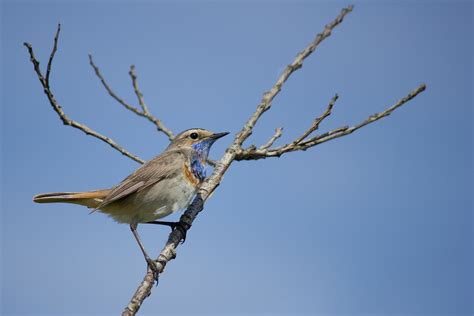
{"x": 190, "y": 175}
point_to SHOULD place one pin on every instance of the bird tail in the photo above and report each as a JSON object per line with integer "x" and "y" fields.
{"x": 90, "y": 199}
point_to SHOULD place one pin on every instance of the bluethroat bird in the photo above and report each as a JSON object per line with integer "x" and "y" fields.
{"x": 161, "y": 186}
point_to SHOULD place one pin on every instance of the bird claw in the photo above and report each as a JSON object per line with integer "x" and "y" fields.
{"x": 154, "y": 268}
{"x": 181, "y": 227}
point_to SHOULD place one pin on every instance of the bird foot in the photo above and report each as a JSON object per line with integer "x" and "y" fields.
{"x": 182, "y": 228}
{"x": 154, "y": 268}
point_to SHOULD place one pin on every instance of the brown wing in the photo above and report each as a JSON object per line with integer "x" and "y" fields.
{"x": 161, "y": 167}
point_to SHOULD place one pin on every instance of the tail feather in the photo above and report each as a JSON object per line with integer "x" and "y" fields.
{"x": 90, "y": 199}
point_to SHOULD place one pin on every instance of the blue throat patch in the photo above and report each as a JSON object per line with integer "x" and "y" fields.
{"x": 198, "y": 160}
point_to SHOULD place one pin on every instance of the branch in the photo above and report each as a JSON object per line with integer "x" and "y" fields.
{"x": 144, "y": 112}
{"x": 278, "y": 132}
{"x": 53, "y": 52}
{"x": 308, "y": 132}
{"x": 266, "y": 102}
{"x": 138, "y": 93}
{"x": 58, "y": 109}
{"x": 301, "y": 144}
{"x": 210, "y": 184}
{"x": 317, "y": 121}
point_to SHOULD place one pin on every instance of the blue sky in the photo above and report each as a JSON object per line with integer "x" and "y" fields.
{"x": 376, "y": 223}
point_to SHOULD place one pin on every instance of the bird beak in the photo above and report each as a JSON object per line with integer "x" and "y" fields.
{"x": 218, "y": 135}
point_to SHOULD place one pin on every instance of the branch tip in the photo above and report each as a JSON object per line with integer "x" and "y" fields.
{"x": 144, "y": 112}
{"x": 53, "y": 52}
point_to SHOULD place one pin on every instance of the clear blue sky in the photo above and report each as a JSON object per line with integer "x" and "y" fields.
{"x": 377, "y": 223}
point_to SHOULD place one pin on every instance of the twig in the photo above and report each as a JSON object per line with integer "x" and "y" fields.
{"x": 110, "y": 91}
{"x": 138, "y": 93}
{"x": 255, "y": 154}
{"x": 317, "y": 121}
{"x": 377, "y": 116}
{"x": 145, "y": 112}
{"x": 58, "y": 109}
{"x": 278, "y": 132}
{"x": 53, "y": 52}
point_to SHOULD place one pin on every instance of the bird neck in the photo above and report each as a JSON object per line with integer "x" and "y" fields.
{"x": 199, "y": 157}
{"x": 201, "y": 149}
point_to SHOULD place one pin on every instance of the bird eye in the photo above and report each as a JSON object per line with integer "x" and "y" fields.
{"x": 193, "y": 135}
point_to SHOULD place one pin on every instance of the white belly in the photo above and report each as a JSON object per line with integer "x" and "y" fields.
{"x": 157, "y": 201}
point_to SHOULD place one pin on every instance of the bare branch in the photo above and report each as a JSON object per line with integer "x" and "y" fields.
{"x": 317, "y": 121}
{"x": 138, "y": 93}
{"x": 144, "y": 113}
{"x": 210, "y": 184}
{"x": 53, "y": 52}
{"x": 377, "y": 116}
{"x": 58, "y": 109}
{"x": 109, "y": 89}
{"x": 159, "y": 124}
{"x": 278, "y": 132}
{"x": 266, "y": 102}
{"x": 255, "y": 154}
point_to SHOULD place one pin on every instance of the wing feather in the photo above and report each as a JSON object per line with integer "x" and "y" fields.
{"x": 161, "y": 167}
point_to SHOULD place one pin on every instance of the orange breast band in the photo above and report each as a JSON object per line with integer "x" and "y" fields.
{"x": 189, "y": 176}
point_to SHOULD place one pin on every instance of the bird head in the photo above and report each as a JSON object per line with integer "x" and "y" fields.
{"x": 198, "y": 139}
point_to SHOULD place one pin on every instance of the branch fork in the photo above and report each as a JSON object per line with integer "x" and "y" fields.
{"x": 143, "y": 112}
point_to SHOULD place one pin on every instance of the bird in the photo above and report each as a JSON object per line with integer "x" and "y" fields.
{"x": 161, "y": 186}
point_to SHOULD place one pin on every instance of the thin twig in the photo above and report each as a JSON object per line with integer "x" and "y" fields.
{"x": 377, "y": 116}
{"x": 138, "y": 93}
{"x": 110, "y": 91}
{"x": 255, "y": 154}
{"x": 145, "y": 112}
{"x": 53, "y": 52}
{"x": 317, "y": 121}
{"x": 58, "y": 109}
{"x": 278, "y": 132}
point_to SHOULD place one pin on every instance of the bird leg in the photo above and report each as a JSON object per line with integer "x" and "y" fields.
{"x": 151, "y": 263}
{"x": 174, "y": 225}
